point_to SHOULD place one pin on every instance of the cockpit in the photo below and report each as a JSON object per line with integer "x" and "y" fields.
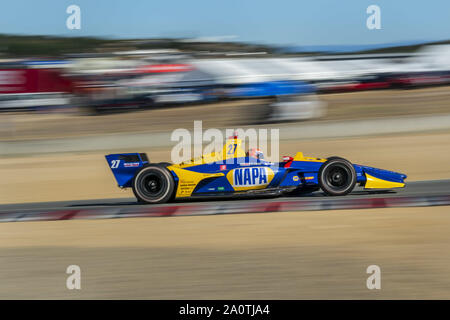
{"x": 255, "y": 153}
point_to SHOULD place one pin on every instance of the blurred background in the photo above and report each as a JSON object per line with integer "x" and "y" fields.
{"x": 112, "y": 68}
{"x": 132, "y": 72}
{"x": 147, "y": 76}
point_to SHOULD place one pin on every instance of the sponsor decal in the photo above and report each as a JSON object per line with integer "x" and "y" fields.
{"x": 220, "y": 188}
{"x": 309, "y": 178}
{"x": 295, "y": 178}
{"x": 223, "y": 167}
{"x": 131, "y": 164}
{"x": 250, "y": 178}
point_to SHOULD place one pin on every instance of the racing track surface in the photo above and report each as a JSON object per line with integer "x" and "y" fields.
{"x": 284, "y": 255}
{"x": 412, "y": 190}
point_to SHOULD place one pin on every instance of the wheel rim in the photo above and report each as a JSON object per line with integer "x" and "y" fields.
{"x": 338, "y": 177}
{"x": 152, "y": 185}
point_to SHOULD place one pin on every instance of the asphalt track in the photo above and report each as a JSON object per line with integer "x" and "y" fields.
{"x": 418, "y": 188}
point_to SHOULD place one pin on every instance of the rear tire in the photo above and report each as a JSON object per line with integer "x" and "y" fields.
{"x": 334, "y": 157}
{"x": 337, "y": 177}
{"x": 153, "y": 184}
{"x": 164, "y": 164}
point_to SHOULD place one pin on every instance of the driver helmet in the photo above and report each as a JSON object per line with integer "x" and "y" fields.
{"x": 255, "y": 153}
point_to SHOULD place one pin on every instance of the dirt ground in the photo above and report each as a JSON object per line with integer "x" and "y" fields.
{"x": 340, "y": 106}
{"x": 290, "y": 255}
{"x": 87, "y": 175}
{"x": 387, "y": 103}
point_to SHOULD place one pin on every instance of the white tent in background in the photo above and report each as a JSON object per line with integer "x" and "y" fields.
{"x": 225, "y": 71}
{"x": 264, "y": 69}
{"x": 307, "y": 69}
{"x": 430, "y": 58}
{"x": 239, "y": 71}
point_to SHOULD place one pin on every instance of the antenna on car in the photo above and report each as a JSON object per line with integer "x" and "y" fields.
{"x": 234, "y": 136}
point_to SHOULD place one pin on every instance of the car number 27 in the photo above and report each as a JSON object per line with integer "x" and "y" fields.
{"x": 115, "y": 164}
{"x": 232, "y": 148}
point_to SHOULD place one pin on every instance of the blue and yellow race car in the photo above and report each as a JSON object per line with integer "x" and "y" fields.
{"x": 233, "y": 172}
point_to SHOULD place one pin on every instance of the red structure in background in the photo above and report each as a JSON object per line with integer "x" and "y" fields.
{"x": 33, "y": 81}
{"x": 163, "y": 68}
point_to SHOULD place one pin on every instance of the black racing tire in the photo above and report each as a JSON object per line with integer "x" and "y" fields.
{"x": 164, "y": 164}
{"x": 334, "y": 157}
{"x": 337, "y": 177}
{"x": 153, "y": 184}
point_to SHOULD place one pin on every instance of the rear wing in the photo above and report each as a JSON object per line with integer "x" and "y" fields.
{"x": 125, "y": 165}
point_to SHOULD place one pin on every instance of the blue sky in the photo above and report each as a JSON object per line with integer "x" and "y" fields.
{"x": 282, "y": 22}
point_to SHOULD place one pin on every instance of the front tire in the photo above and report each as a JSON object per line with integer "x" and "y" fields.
{"x": 337, "y": 177}
{"x": 153, "y": 184}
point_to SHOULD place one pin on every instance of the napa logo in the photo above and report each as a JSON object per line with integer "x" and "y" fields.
{"x": 250, "y": 178}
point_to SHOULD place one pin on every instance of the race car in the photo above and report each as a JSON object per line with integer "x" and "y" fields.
{"x": 232, "y": 172}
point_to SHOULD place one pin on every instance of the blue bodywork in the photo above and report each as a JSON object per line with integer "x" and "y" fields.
{"x": 125, "y": 165}
{"x": 293, "y": 173}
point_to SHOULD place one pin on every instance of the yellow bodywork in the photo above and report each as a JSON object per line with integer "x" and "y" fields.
{"x": 188, "y": 179}
{"x": 238, "y": 152}
{"x": 376, "y": 183}
{"x": 299, "y": 157}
